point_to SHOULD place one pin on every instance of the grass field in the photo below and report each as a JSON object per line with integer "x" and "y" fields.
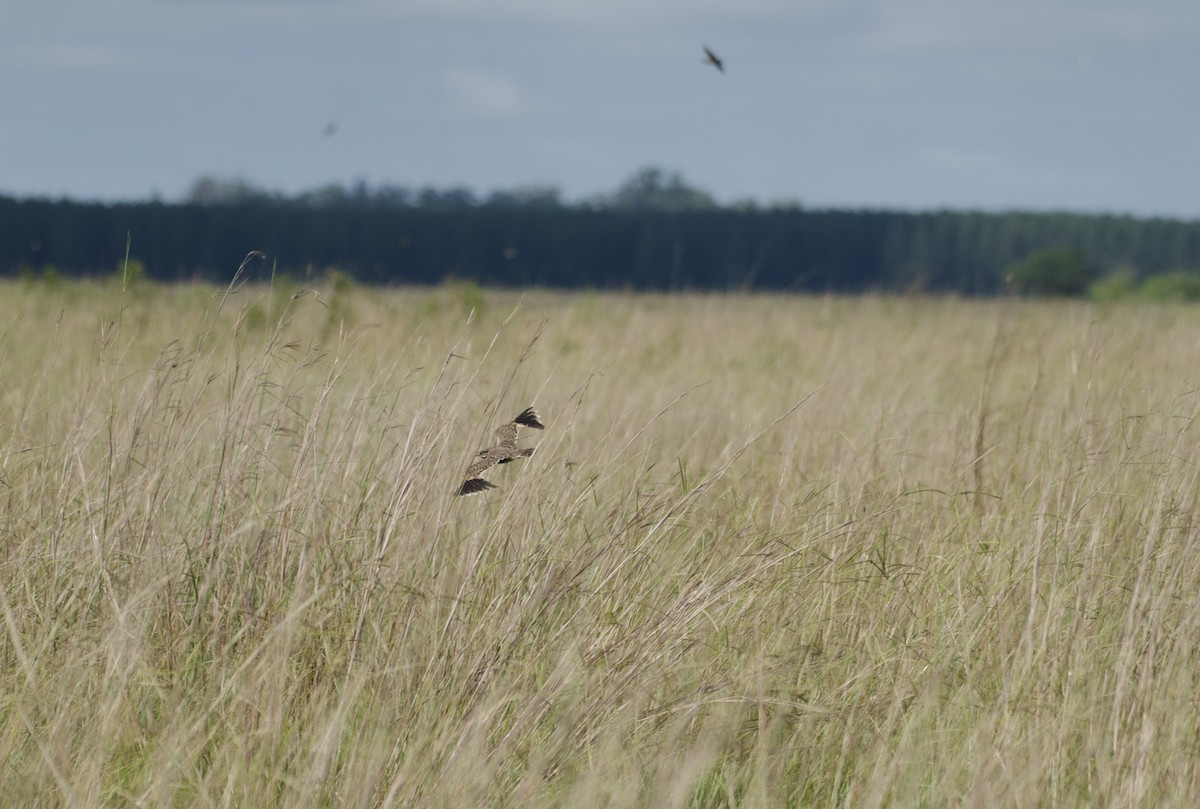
{"x": 770, "y": 551}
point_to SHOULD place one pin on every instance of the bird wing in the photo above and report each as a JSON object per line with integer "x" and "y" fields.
{"x": 474, "y": 486}
{"x": 487, "y": 459}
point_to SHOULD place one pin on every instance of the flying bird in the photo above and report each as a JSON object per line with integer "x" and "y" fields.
{"x": 504, "y": 452}
{"x": 711, "y": 58}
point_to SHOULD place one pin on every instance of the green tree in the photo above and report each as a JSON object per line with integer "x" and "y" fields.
{"x": 1052, "y": 271}
{"x": 208, "y": 190}
{"x": 1114, "y": 287}
{"x": 652, "y": 189}
{"x": 527, "y": 196}
{"x": 1179, "y": 285}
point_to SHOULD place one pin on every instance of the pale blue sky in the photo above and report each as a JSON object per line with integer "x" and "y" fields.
{"x": 994, "y": 104}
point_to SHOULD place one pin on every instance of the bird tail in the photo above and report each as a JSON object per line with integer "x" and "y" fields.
{"x": 529, "y": 418}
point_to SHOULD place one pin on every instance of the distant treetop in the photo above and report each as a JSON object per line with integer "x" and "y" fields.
{"x": 648, "y": 189}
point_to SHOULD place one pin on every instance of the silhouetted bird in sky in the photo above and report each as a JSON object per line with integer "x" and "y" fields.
{"x": 711, "y": 58}
{"x": 504, "y": 452}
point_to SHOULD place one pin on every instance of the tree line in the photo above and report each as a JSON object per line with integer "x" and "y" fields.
{"x": 654, "y": 232}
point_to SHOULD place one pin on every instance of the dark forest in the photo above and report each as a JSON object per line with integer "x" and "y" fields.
{"x": 653, "y": 233}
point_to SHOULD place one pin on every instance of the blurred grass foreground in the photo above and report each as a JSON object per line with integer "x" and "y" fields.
{"x": 770, "y": 550}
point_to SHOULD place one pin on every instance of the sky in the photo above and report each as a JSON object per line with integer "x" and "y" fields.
{"x": 1080, "y": 105}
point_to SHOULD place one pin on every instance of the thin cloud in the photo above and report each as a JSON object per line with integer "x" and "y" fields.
{"x": 1020, "y": 26}
{"x": 473, "y": 93}
{"x": 619, "y": 12}
{"x": 64, "y": 57}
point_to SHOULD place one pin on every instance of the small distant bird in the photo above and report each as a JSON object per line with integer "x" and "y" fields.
{"x": 330, "y": 129}
{"x": 504, "y": 452}
{"x": 711, "y": 58}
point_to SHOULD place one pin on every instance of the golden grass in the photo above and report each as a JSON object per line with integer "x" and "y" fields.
{"x": 821, "y": 552}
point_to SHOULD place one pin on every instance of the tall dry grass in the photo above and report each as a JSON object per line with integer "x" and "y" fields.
{"x": 770, "y": 551}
